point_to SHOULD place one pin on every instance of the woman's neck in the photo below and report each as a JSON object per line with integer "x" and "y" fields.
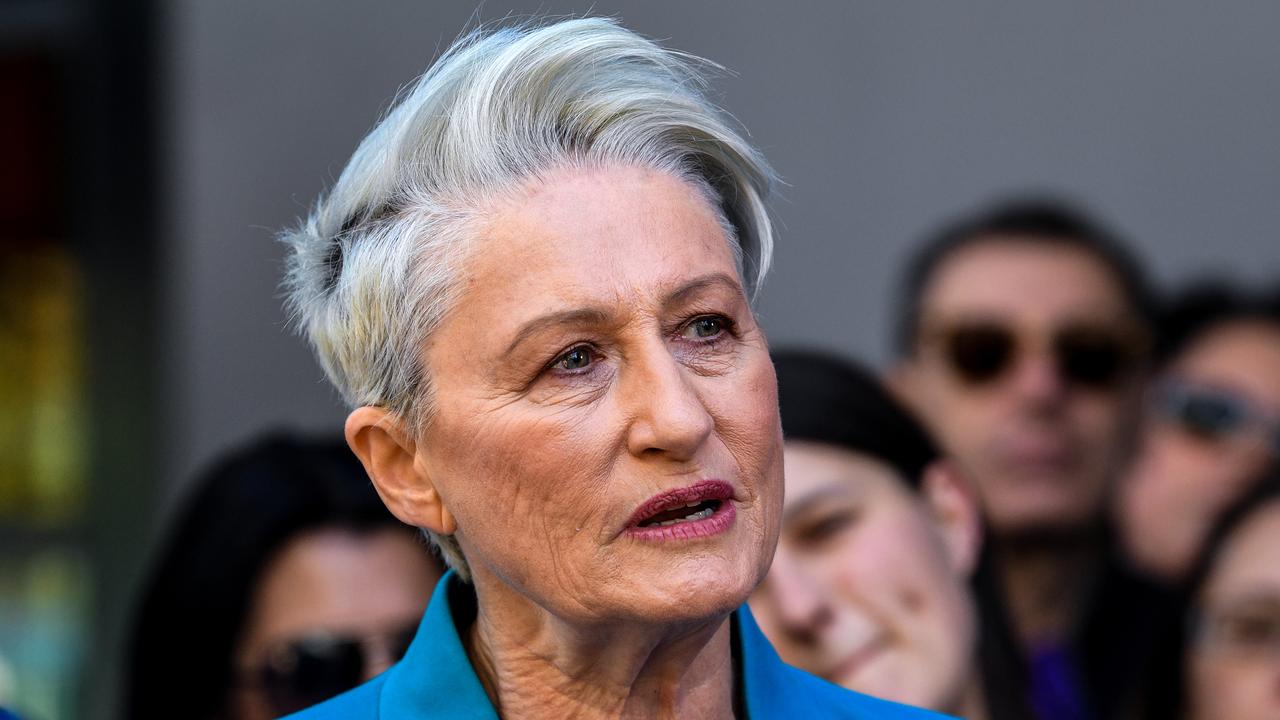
{"x": 535, "y": 665}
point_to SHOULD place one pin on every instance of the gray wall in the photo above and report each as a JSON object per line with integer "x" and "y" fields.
{"x": 883, "y": 117}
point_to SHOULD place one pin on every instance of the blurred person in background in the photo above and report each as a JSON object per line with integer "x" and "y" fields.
{"x": 284, "y": 581}
{"x": 1223, "y": 658}
{"x": 869, "y": 586}
{"x": 1023, "y": 341}
{"x": 1212, "y": 425}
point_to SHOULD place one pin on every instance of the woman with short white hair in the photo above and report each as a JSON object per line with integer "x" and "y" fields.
{"x": 533, "y": 282}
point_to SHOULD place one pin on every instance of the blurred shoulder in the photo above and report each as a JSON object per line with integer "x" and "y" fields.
{"x": 359, "y": 703}
{"x": 834, "y": 701}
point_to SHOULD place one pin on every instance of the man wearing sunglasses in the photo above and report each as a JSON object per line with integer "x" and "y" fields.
{"x": 1022, "y": 344}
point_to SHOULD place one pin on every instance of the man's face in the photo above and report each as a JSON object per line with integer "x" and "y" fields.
{"x": 1026, "y": 369}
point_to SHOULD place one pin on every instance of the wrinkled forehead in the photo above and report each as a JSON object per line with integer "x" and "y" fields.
{"x": 1024, "y": 282}
{"x": 599, "y": 234}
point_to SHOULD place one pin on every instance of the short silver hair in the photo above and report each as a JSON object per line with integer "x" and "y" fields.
{"x": 371, "y": 270}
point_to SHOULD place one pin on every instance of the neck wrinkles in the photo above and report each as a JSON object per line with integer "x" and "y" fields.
{"x": 533, "y": 664}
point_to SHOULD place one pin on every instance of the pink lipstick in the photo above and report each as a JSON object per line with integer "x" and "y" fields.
{"x": 698, "y": 511}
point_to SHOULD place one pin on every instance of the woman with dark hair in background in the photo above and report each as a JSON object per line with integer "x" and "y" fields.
{"x": 284, "y": 581}
{"x": 880, "y": 537}
{"x": 1223, "y": 655}
{"x": 1212, "y": 425}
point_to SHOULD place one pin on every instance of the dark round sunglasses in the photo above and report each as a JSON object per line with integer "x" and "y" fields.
{"x": 1213, "y": 413}
{"x": 1095, "y": 358}
{"x": 315, "y": 667}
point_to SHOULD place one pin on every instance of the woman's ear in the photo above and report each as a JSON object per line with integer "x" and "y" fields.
{"x": 390, "y": 456}
{"x": 954, "y": 505}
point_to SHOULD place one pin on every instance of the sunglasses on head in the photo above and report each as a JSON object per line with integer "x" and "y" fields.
{"x": 1212, "y": 413}
{"x": 1088, "y": 356}
{"x": 315, "y": 667}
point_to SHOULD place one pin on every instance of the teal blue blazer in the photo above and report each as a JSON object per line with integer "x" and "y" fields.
{"x": 435, "y": 681}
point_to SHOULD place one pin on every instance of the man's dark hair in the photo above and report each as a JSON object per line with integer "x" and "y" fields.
{"x": 1042, "y": 221}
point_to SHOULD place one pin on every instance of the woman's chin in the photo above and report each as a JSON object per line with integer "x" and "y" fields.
{"x": 689, "y": 592}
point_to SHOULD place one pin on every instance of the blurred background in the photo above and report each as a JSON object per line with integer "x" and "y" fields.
{"x": 152, "y": 149}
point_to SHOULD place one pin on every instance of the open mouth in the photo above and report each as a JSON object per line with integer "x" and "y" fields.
{"x": 700, "y": 510}
{"x": 691, "y": 512}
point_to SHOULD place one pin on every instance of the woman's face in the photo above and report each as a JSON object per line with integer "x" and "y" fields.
{"x": 1234, "y": 664}
{"x": 332, "y": 609}
{"x": 866, "y": 589}
{"x": 602, "y": 354}
{"x": 1182, "y": 479}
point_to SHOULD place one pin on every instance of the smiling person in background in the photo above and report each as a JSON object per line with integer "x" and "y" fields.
{"x": 869, "y": 585}
{"x": 1212, "y": 426}
{"x": 533, "y": 282}
{"x": 1023, "y": 337}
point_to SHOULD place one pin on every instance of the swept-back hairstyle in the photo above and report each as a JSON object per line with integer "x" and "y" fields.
{"x": 372, "y": 270}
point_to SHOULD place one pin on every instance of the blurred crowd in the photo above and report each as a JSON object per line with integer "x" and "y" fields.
{"x": 1060, "y": 501}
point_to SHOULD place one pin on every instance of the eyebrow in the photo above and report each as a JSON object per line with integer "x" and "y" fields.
{"x": 812, "y": 500}
{"x": 581, "y": 316}
{"x": 697, "y": 285}
{"x": 595, "y": 316}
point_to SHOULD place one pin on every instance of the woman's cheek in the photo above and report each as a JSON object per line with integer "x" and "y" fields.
{"x": 750, "y": 424}
{"x": 901, "y": 564}
{"x": 496, "y": 487}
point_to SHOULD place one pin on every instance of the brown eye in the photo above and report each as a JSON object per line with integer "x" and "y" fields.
{"x": 576, "y": 359}
{"x": 825, "y": 528}
{"x": 1250, "y": 630}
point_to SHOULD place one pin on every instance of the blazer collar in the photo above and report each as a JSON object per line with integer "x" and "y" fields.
{"x": 435, "y": 679}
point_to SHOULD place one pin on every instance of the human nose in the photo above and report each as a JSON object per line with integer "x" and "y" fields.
{"x": 668, "y": 415}
{"x": 802, "y": 608}
{"x": 1038, "y": 379}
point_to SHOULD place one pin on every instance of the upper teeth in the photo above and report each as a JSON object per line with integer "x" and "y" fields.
{"x": 704, "y": 513}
